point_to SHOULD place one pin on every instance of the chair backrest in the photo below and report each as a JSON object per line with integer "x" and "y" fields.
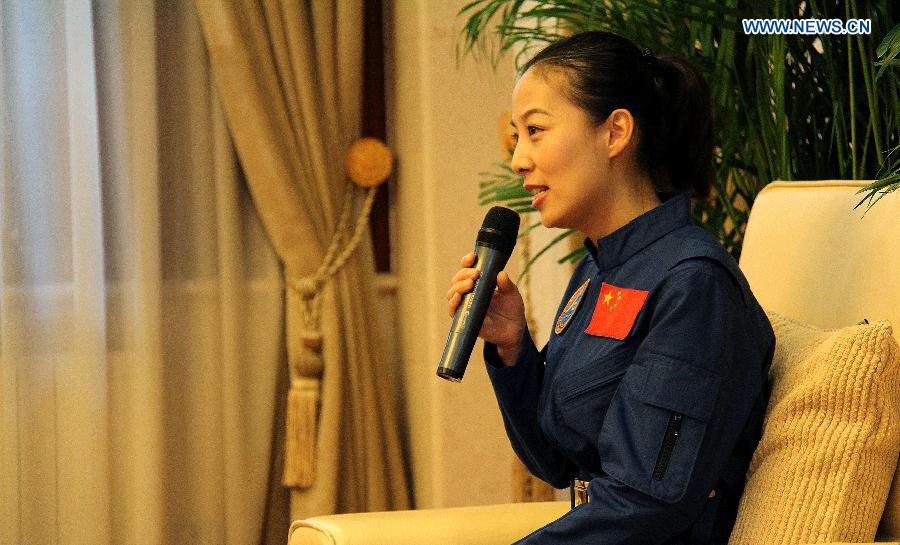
{"x": 810, "y": 255}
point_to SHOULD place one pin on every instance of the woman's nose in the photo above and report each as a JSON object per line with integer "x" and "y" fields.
{"x": 520, "y": 162}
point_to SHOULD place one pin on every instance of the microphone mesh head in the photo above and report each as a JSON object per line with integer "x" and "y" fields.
{"x": 500, "y": 229}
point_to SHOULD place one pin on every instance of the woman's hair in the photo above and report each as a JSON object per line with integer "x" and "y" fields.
{"x": 667, "y": 96}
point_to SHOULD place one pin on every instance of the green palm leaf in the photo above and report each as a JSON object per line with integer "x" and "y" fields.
{"x": 786, "y": 107}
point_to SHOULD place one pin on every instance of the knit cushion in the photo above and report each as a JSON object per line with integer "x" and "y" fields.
{"x": 890, "y": 521}
{"x": 831, "y": 436}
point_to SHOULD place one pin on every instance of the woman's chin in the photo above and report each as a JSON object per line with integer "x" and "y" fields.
{"x": 548, "y": 221}
{"x": 552, "y": 222}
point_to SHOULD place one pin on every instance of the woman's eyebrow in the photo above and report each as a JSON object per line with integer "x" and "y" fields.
{"x": 530, "y": 112}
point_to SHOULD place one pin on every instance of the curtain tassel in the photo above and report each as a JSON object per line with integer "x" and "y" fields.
{"x": 302, "y": 418}
{"x": 302, "y": 430}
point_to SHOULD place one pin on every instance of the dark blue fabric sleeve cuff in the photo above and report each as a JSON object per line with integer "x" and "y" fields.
{"x": 527, "y": 351}
{"x": 509, "y": 378}
{"x": 518, "y": 390}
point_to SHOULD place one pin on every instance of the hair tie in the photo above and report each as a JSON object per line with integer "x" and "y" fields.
{"x": 649, "y": 58}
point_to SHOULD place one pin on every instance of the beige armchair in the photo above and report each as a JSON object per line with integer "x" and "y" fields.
{"x": 808, "y": 256}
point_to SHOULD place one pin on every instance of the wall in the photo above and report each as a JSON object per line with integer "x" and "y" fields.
{"x": 443, "y": 127}
{"x": 443, "y": 120}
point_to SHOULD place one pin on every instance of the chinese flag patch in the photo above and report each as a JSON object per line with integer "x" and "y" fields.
{"x": 615, "y": 311}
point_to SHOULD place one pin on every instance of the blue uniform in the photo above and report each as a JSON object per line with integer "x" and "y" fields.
{"x": 662, "y": 422}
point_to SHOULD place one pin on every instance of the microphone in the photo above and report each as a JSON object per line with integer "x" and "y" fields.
{"x": 495, "y": 242}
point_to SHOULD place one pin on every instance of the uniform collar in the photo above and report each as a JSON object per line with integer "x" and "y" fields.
{"x": 616, "y": 247}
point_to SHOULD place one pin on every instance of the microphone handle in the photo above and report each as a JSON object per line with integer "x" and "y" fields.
{"x": 470, "y": 314}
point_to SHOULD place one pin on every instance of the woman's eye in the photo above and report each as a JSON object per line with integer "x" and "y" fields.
{"x": 530, "y": 129}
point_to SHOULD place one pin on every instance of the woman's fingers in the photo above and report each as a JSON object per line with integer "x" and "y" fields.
{"x": 463, "y": 274}
{"x": 454, "y": 302}
{"x": 463, "y": 281}
{"x": 461, "y": 286}
{"x": 504, "y": 283}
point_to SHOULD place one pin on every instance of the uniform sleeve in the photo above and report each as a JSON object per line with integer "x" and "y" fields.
{"x": 675, "y": 417}
{"x": 518, "y": 391}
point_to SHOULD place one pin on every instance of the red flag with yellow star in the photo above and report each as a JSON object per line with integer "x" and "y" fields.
{"x": 615, "y": 312}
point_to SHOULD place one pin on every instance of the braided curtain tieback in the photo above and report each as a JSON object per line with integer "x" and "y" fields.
{"x": 369, "y": 163}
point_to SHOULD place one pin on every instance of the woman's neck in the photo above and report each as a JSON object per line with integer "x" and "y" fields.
{"x": 623, "y": 206}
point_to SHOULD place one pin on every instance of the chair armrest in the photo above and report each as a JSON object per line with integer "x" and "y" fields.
{"x": 480, "y": 525}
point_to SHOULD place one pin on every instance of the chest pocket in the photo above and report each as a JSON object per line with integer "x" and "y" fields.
{"x": 583, "y": 395}
{"x": 655, "y": 426}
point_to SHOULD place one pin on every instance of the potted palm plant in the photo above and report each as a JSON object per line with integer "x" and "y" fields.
{"x": 786, "y": 106}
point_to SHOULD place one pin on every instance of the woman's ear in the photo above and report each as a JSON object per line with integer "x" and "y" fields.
{"x": 620, "y": 127}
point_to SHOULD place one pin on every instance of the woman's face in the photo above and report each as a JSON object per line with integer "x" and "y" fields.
{"x": 560, "y": 152}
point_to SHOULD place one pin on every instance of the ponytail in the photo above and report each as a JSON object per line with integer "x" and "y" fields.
{"x": 683, "y": 141}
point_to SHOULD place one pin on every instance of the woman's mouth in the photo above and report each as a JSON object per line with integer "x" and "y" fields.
{"x": 539, "y": 192}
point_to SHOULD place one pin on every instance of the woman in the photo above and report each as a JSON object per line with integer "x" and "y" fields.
{"x": 651, "y": 391}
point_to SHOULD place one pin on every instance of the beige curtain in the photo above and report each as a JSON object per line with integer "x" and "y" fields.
{"x": 289, "y": 75}
{"x": 140, "y": 302}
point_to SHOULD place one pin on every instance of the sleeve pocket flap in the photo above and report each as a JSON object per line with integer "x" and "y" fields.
{"x": 682, "y": 388}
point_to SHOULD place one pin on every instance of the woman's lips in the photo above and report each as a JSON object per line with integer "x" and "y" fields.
{"x": 539, "y": 197}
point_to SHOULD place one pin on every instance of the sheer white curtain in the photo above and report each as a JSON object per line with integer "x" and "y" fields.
{"x": 140, "y": 302}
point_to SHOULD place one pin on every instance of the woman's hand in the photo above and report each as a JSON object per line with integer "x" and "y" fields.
{"x": 504, "y": 323}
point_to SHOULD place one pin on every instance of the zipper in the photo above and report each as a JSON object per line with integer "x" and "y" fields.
{"x": 665, "y": 452}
